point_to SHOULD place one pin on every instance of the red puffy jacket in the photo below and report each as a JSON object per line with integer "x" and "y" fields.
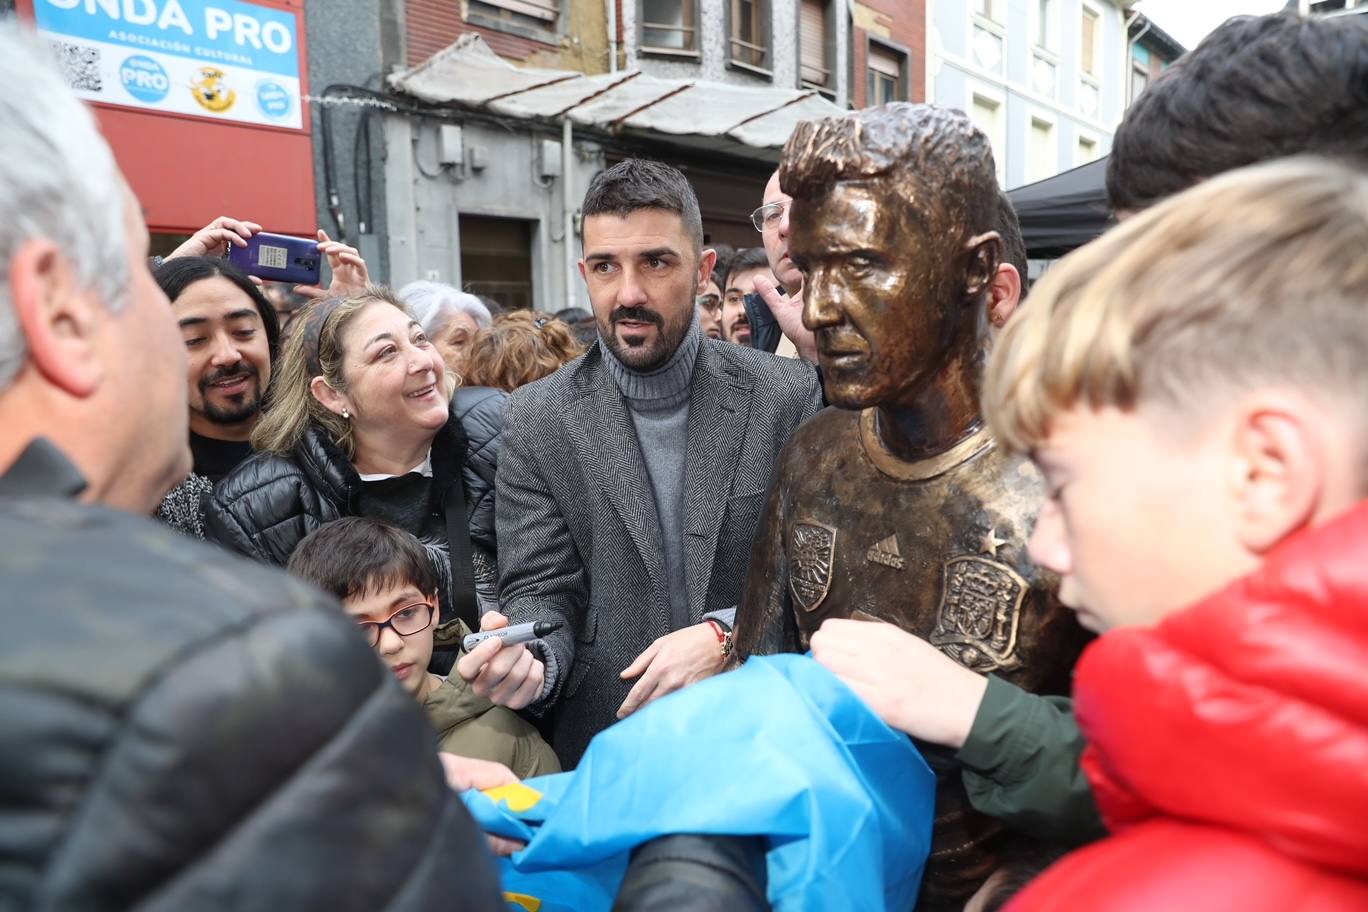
{"x": 1228, "y": 746}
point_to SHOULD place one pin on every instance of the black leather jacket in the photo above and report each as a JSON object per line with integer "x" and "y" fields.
{"x": 266, "y": 506}
{"x": 181, "y": 729}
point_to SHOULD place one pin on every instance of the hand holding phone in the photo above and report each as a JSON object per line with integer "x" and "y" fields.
{"x": 349, "y": 273}
{"x": 279, "y": 258}
{"x": 217, "y": 238}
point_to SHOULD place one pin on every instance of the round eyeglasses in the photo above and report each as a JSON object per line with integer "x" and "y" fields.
{"x": 406, "y": 622}
{"x": 768, "y": 216}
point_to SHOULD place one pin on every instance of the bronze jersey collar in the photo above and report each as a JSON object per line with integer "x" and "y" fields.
{"x": 924, "y": 469}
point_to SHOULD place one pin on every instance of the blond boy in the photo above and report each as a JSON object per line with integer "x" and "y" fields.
{"x": 1194, "y": 386}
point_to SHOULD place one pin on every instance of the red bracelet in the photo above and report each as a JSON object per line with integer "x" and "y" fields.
{"x": 717, "y": 629}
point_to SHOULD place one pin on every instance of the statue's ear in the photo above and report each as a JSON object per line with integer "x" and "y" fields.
{"x": 985, "y": 252}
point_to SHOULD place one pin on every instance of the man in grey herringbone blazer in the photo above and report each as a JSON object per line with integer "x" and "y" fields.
{"x": 632, "y": 480}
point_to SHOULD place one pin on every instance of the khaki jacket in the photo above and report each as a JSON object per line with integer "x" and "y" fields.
{"x": 471, "y": 726}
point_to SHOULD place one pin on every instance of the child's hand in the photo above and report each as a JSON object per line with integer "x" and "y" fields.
{"x": 468, "y": 773}
{"x": 909, "y": 683}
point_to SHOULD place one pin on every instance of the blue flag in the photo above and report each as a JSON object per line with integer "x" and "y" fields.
{"x": 779, "y": 748}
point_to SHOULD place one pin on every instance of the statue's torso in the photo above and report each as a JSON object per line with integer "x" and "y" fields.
{"x": 937, "y": 548}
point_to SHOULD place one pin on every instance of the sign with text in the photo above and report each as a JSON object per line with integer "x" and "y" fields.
{"x": 225, "y": 60}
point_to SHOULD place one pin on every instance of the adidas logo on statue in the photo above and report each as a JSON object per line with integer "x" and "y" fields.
{"x": 887, "y": 553}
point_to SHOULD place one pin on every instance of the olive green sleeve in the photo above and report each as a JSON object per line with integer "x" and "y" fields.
{"x": 1021, "y": 766}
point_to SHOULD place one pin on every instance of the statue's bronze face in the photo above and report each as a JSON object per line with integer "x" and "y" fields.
{"x": 879, "y": 289}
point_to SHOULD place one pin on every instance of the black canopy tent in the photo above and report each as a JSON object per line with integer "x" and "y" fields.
{"x": 1063, "y": 212}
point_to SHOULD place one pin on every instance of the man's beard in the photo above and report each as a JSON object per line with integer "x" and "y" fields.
{"x": 248, "y": 402}
{"x": 651, "y": 355}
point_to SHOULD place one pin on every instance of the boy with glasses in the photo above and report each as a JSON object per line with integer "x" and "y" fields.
{"x": 387, "y": 583}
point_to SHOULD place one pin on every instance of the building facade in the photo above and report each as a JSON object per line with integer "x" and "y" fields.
{"x": 887, "y": 52}
{"x": 470, "y": 195}
{"x": 1332, "y": 7}
{"x": 491, "y": 203}
{"x": 1046, "y": 80}
{"x": 1152, "y": 50}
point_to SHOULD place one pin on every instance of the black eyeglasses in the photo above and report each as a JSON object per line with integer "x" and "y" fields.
{"x": 406, "y": 622}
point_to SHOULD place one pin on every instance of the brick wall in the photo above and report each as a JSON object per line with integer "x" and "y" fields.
{"x": 901, "y": 23}
{"x": 433, "y": 24}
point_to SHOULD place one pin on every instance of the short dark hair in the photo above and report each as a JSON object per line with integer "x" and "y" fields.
{"x": 176, "y": 275}
{"x": 744, "y": 260}
{"x": 1013, "y": 244}
{"x": 572, "y": 315}
{"x": 1257, "y": 88}
{"x": 635, "y": 184}
{"x": 896, "y": 141}
{"x": 359, "y": 556}
{"x": 1020, "y": 866}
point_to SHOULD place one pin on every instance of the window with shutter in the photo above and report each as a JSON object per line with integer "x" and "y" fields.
{"x": 546, "y": 10}
{"x": 989, "y": 9}
{"x": 886, "y": 75}
{"x": 1088, "y": 44}
{"x": 668, "y": 25}
{"x": 749, "y": 33}
{"x": 1045, "y": 24}
{"x": 812, "y": 44}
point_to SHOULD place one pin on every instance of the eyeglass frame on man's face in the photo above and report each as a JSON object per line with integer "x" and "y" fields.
{"x": 368, "y": 626}
{"x": 768, "y": 216}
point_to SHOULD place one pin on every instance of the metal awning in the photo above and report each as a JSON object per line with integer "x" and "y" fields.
{"x": 739, "y": 120}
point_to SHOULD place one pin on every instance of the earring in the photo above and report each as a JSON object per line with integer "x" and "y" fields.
{"x": 346, "y": 415}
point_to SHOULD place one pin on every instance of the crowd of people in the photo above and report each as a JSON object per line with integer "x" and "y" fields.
{"x": 246, "y": 529}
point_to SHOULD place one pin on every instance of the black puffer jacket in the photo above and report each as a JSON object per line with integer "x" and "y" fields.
{"x": 266, "y": 506}
{"x": 184, "y": 730}
{"x": 481, "y": 410}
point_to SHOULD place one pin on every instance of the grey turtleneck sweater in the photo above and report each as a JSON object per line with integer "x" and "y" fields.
{"x": 659, "y": 405}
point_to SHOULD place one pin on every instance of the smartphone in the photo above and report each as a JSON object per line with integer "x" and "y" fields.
{"x": 279, "y": 258}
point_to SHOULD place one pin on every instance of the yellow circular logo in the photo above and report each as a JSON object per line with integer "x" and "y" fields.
{"x": 211, "y": 92}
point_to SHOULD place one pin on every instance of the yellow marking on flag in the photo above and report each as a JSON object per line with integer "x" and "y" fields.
{"x": 518, "y": 797}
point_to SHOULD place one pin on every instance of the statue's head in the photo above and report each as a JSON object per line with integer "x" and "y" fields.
{"x": 892, "y": 226}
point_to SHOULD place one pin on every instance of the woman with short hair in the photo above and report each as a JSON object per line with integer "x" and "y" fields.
{"x": 450, "y": 318}
{"x": 518, "y": 348}
{"x": 361, "y": 424}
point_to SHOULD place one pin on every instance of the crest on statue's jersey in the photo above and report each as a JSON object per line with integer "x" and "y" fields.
{"x": 812, "y": 551}
{"x": 980, "y": 613}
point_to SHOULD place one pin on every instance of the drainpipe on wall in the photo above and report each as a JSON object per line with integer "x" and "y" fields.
{"x": 612, "y": 35}
{"x": 1130, "y": 55}
{"x": 568, "y": 211}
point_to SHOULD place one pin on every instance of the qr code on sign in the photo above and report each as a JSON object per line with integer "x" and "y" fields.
{"x": 272, "y": 257}
{"x": 80, "y": 65}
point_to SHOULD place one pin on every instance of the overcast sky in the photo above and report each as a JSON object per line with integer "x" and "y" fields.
{"x": 1190, "y": 20}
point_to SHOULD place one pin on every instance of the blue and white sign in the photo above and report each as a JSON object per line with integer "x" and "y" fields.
{"x": 221, "y": 59}
{"x": 144, "y": 79}
{"x": 274, "y": 100}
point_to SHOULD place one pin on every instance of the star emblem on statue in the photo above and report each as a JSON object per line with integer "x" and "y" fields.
{"x": 990, "y": 543}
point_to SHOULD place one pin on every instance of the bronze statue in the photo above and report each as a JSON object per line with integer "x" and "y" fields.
{"x": 896, "y": 505}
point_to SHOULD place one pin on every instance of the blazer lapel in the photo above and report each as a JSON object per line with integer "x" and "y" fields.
{"x": 605, "y": 441}
{"x": 718, "y": 410}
